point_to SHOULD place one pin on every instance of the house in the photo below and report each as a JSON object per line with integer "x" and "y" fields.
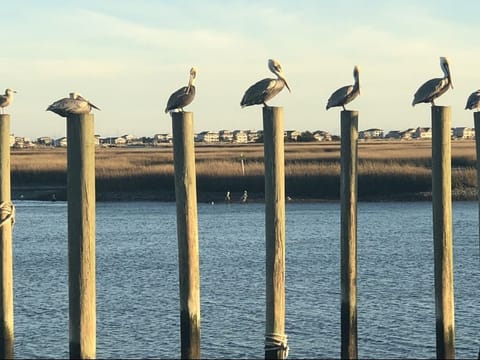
{"x": 321, "y": 135}
{"x": 464, "y": 133}
{"x": 225, "y": 135}
{"x": 45, "y": 141}
{"x": 113, "y": 141}
{"x": 240, "y": 137}
{"x": 292, "y": 135}
{"x": 60, "y": 142}
{"x": 373, "y": 133}
{"x": 254, "y": 135}
{"x": 162, "y": 138}
{"x": 394, "y": 134}
{"x": 207, "y": 137}
{"x": 423, "y": 133}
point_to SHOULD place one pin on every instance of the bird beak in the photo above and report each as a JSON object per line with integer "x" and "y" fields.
{"x": 450, "y": 81}
{"x": 188, "y": 89}
{"x": 286, "y": 84}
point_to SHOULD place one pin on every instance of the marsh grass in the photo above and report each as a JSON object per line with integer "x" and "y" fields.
{"x": 386, "y": 169}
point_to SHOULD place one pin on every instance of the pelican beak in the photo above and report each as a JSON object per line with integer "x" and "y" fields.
{"x": 450, "y": 81}
{"x": 188, "y": 88}
{"x": 286, "y": 84}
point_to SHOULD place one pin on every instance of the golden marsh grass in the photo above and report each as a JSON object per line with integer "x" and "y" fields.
{"x": 386, "y": 168}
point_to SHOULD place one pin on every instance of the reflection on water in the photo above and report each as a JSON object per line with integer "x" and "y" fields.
{"x": 137, "y": 280}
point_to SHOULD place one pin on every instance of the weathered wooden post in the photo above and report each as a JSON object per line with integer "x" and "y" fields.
{"x": 187, "y": 232}
{"x": 7, "y": 215}
{"x": 81, "y": 235}
{"x": 442, "y": 231}
{"x": 273, "y": 137}
{"x": 476, "y": 120}
{"x": 348, "y": 233}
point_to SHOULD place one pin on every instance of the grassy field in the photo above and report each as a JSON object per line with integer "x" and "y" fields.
{"x": 387, "y": 170}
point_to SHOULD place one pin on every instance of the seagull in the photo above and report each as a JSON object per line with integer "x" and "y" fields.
{"x": 6, "y": 99}
{"x": 264, "y": 90}
{"x": 345, "y": 94}
{"x": 183, "y": 96}
{"x": 473, "y": 101}
{"x": 433, "y": 88}
{"x": 75, "y": 104}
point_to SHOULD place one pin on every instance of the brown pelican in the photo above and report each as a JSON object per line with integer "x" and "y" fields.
{"x": 433, "y": 88}
{"x": 473, "y": 101}
{"x": 75, "y": 104}
{"x": 265, "y": 89}
{"x": 183, "y": 96}
{"x": 6, "y": 99}
{"x": 345, "y": 94}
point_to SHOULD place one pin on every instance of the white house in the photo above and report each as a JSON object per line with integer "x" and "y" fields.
{"x": 208, "y": 137}
{"x": 240, "y": 136}
{"x": 423, "y": 133}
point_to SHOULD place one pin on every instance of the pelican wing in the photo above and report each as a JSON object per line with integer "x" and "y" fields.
{"x": 473, "y": 101}
{"x": 3, "y": 101}
{"x": 430, "y": 90}
{"x": 340, "y": 96}
{"x": 259, "y": 92}
{"x": 68, "y": 106}
{"x": 180, "y": 98}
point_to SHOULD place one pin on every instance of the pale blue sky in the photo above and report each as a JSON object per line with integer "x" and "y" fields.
{"x": 127, "y": 57}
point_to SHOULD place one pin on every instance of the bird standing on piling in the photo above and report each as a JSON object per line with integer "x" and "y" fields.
{"x": 264, "y": 90}
{"x": 433, "y": 88}
{"x": 473, "y": 101}
{"x": 345, "y": 94}
{"x": 183, "y": 96}
{"x": 75, "y": 104}
{"x": 6, "y": 99}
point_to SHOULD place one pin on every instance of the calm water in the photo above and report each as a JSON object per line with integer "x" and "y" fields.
{"x": 137, "y": 280}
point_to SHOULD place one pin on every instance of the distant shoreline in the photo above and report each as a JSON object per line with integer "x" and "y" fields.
{"x": 47, "y": 193}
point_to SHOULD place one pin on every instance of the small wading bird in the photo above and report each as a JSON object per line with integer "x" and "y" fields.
{"x": 473, "y": 101}
{"x": 433, "y": 88}
{"x": 6, "y": 99}
{"x": 264, "y": 90}
{"x": 345, "y": 94}
{"x": 75, "y": 104}
{"x": 183, "y": 96}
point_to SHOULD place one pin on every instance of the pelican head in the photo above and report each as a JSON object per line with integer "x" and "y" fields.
{"x": 9, "y": 92}
{"x": 276, "y": 68}
{"x": 193, "y": 75}
{"x": 446, "y": 69}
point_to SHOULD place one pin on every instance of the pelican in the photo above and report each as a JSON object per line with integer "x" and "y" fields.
{"x": 345, "y": 94}
{"x": 264, "y": 90}
{"x": 433, "y": 88}
{"x": 6, "y": 99}
{"x": 183, "y": 96}
{"x": 473, "y": 101}
{"x": 75, "y": 104}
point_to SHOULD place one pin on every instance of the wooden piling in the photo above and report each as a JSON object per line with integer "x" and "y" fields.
{"x": 476, "y": 120}
{"x": 273, "y": 138}
{"x": 6, "y": 222}
{"x": 348, "y": 233}
{"x": 442, "y": 231}
{"x": 187, "y": 232}
{"x": 81, "y": 235}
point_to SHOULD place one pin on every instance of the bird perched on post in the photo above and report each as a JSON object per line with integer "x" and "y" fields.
{"x": 183, "y": 96}
{"x": 473, "y": 101}
{"x": 6, "y": 99}
{"x": 75, "y": 104}
{"x": 345, "y": 94}
{"x": 433, "y": 88}
{"x": 264, "y": 90}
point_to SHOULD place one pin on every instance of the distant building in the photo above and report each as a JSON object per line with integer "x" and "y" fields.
{"x": 45, "y": 141}
{"x": 321, "y": 135}
{"x": 423, "y": 133}
{"x": 373, "y": 133}
{"x": 60, "y": 142}
{"x": 394, "y": 134}
{"x": 240, "y": 137}
{"x": 464, "y": 133}
{"x": 207, "y": 137}
{"x": 225, "y": 136}
{"x": 292, "y": 135}
{"x": 162, "y": 138}
{"x": 113, "y": 141}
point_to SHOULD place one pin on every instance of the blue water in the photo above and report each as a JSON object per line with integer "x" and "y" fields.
{"x": 137, "y": 280}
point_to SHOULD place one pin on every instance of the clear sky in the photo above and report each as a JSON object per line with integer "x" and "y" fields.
{"x": 128, "y": 56}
